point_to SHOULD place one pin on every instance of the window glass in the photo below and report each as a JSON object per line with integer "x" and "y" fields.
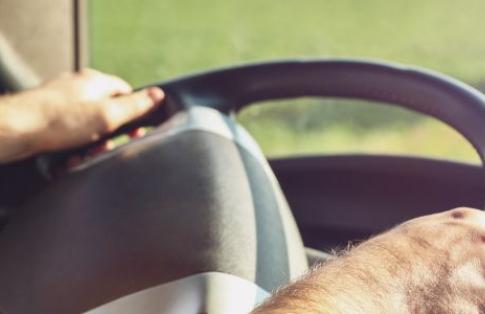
{"x": 315, "y": 126}
{"x": 152, "y": 40}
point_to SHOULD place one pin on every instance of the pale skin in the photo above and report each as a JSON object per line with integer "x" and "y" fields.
{"x": 68, "y": 111}
{"x": 431, "y": 264}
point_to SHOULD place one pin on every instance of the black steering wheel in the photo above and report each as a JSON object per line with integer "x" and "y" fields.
{"x": 191, "y": 214}
{"x": 228, "y": 90}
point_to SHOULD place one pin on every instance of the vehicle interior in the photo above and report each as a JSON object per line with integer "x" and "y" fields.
{"x": 320, "y": 201}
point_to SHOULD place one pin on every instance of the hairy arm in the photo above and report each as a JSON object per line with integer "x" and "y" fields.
{"x": 68, "y": 111}
{"x": 433, "y": 264}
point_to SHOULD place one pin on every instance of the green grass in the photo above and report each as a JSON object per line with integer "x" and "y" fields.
{"x": 410, "y": 136}
{"x": 152, "y": 40}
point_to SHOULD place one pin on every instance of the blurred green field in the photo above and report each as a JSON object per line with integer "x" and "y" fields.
{"x": 152, "y": 40}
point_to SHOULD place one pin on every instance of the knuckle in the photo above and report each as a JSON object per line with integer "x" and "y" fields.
{"x": 465, "y": 213}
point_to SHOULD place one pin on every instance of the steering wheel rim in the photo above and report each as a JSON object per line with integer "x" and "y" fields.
{"x": 228, "y": 90}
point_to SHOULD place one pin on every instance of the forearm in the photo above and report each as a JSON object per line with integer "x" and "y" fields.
{"x": 372, "y": 278}
{"x": 353, "y": 283}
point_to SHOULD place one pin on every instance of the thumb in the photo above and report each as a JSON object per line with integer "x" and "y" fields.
{"x": 123, "y": 109}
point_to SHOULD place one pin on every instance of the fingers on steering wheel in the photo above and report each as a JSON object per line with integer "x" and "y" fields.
{"x": 123, "y": 109}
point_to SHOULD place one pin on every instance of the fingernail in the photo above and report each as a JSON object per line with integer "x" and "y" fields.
{"x": 156, "y": 94}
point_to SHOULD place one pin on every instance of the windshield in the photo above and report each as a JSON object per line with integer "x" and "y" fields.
{"x": 152, "y": 40}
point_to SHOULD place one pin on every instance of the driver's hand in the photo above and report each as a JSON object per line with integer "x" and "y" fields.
{"x": 70, "y": 110}
{"x": 431, "y": 264}
{"x": 441, "y": 258}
